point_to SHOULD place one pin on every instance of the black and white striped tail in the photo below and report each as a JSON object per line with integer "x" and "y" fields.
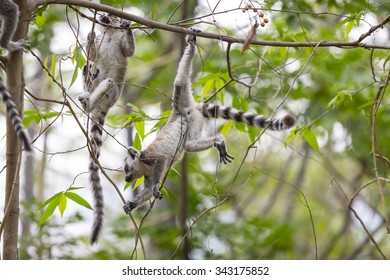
{"x": 94, "y": 178}
{"x": 15, "y": 117}
{"x": 259, "y": 121}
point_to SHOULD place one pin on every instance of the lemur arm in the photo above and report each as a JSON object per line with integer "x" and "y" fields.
{"x": 205, "y": 143}
{"x": 91, "y": 46}
{"x": 128, "y": 42}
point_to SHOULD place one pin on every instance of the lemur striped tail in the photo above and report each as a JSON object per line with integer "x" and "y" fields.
{"x": 15, "y": 117}
{"x": 94, "y": 177}
{"x": 259, "y": 121}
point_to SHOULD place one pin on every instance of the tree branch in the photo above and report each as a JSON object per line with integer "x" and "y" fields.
{"x": 228, "y": 39}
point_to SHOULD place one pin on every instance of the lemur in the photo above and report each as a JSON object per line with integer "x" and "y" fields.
{"x": 103, "y": 79}
{"x": 182, "y": 132}
{"x": 9, "y": 12}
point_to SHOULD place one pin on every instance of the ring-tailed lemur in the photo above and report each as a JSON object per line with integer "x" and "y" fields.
{"x": 182, "y": 132}
{"x": 104, "y": 78}
{"x": 9, "y": 12}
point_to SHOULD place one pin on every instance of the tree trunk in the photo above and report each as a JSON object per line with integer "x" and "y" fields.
{"x": 15, "y": 84}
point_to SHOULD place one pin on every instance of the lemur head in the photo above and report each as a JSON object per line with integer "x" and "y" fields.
{"x": 133, "y": 167}
{"x": 111, "y": 20}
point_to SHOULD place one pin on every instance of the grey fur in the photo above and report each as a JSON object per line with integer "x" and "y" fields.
{"x": 9, "y": 12}
{"x": 103, "y": 79}
{"x": 182, "y": 133}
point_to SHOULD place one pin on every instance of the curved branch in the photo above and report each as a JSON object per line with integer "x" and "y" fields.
{"x": 225, "y": 38}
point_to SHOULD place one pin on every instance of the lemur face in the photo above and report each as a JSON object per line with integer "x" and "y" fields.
{"x": 90, "y": 72}
{"x": 114, "y": 21}
{"x": 132, "y": 166}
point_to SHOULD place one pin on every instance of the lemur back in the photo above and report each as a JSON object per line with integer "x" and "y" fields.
{"x": 9, "y": 12}
{"x": 183, "y": 131}
{"x": 103, "y": 79}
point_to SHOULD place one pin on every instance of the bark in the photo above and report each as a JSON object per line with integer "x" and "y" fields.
{"x": 15, "y": 83}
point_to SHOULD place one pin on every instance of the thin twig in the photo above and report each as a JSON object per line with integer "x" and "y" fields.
{"x": 180, "y": 29}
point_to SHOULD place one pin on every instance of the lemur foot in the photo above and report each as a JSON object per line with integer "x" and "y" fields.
{"x": 91, "y": 36}
{"x": 18, "y": 45}
{"x": 224, "y": 157}
{"x": 157, "y": 194}
{"x": 84, "y": 100}
{"x": 125, "y": 23}
{"x": 129, "y": 206}
{"x": 191, "y": 38}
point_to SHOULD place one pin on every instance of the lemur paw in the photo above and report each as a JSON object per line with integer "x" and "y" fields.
{"x": 91, "y": 36}
{"x": 129, "y": 206}
{"x": 84, "y": 100}
{"x": 90, "y": 72}
{"x": 223, "y": 154}
{"x": 191, "y": 38}
{"x": 157, "y": 194}
{"x": 18, "y": 45}
{"x": 125, "y": 23}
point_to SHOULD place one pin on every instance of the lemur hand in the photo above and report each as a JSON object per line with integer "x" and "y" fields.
{"x": 191, "y": 38}
{"x": 224, "y": 157}
{"x": 156, "y": 192}
{"x": 129, "y": 206}
{"x": 125, "y": 23}
{"x": 15, "y": 46}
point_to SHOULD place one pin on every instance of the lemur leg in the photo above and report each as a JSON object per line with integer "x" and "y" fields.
{"x": 202, "y": 144}
{"x": 159, "y": 167}
{"x": 182, "y": 92}
{"x": 141, "y": 197}
{"x": 128, "y": 44}
{"x": 92, "y": 50}
{"x": 106, "y": 91}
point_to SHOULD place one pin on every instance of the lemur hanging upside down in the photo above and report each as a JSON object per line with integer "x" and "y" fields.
{"x": 182, "y": 133}
{"x": 103, "y": 79}
{"x": 9, "y": 13}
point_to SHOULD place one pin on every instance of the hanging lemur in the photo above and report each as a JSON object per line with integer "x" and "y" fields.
{"x": 9, "y": 12}
{"x": 103, "y": 78}
{"x": 182, "y": 132}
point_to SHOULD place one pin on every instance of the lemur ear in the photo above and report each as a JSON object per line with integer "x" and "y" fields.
{"x": 133, "y": 152}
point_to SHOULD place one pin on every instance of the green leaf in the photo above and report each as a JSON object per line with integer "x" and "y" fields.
{"x": 349, "y": 26}
{"x": 207, "y": 87}
{"x": 78, "y": 199}
{"x": 344, "y": 21}
{"x": 80, "y": 62}
{"x": 34, "y": 115}
{"x": 75, "y": 188}
{"x": 137, "y": 142}
{"x": 40, "y": 20}
{"x": 253, "y": 132}
{"x": 165, "y": 192}
{"x": 53, "y": 65}
{"x": 138, "y": 182}
{"x": 226, "y": 128}
{"x": 292, "y": 135}
{"x": 49, "y": 200}
{"x": 140, "y": 128}
{"x": 49, "y": 211}
{"x": 153, "y": 11}
{"x": 62, "y": 204}
{"x": 311, "y": 139}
